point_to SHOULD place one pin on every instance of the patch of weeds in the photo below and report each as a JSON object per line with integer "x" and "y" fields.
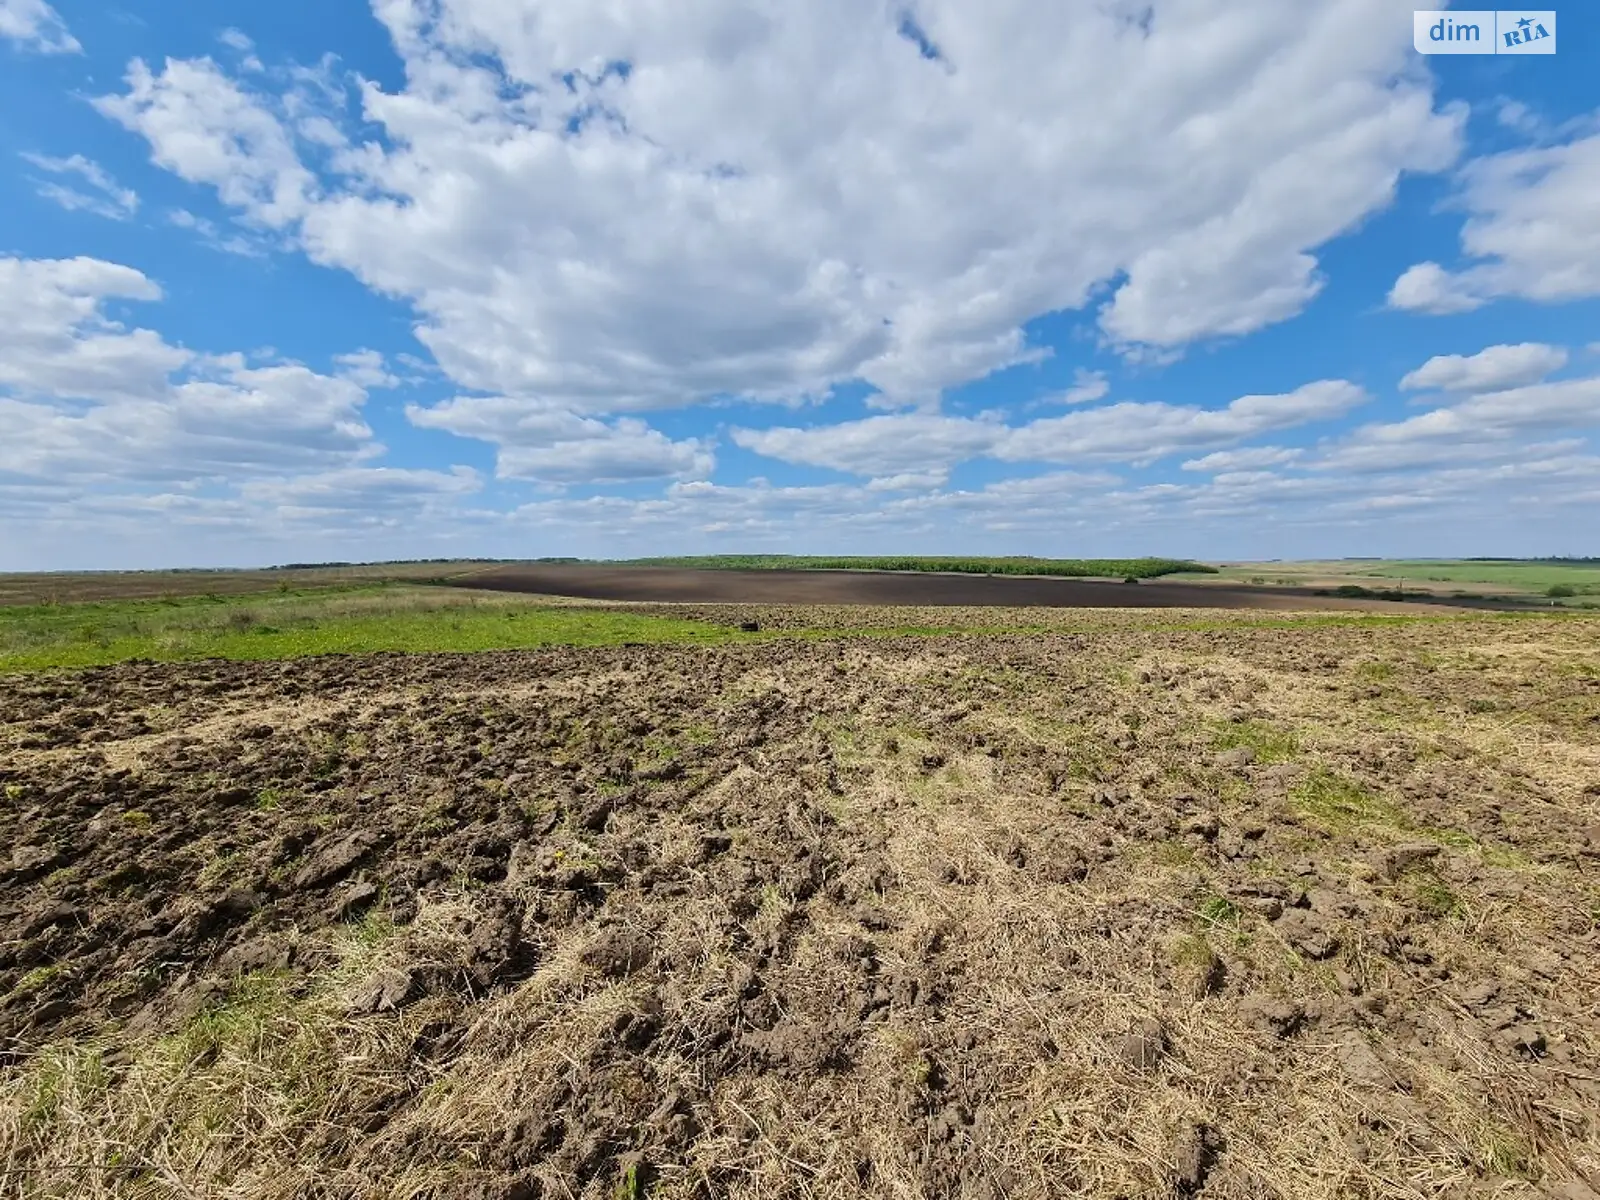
{"x": 1434, "y": 897}
{"x": 128, "y": 875}
{"x": 259, "y": 1041}
{"x": 439, "y": 816}
{"x": 62, "y": 1073}
{"x": 1506, "y": 858}
{"x": 1479, "y": 704}
{"x": 217, "y": 869}
{"x": 1088, "y": 760}
{"x": 1339, "y": 802}
{"x": 988, "y": 683}
{"x": 289, "y": 868}
{"x": 772, "y": 902}
{"x": 659, "y": 750}
{"x": 328, "y": 753}
{"x": 1378, "y": 671}
{"x": 634, "y": 1183}
{"x": 901, "y": 738}
{"x": 1454, "y": 838}
{"x": 1505, "y": 1153}
{"x": 1173, "y": 853}
{"x": 1270, "y": 744}
{"x": 1192, "y": 952}
{"x": 34, "y": 980}
{"x": 14, "y": 791}
{"x": 138, "y": 818}
{"x": 535, "y": 808}
{"x": 1197, "y": 969}
{"x": 845, "y": 740}
{"x": 269, "y": 799}
{"x": 360, "y": 942}
{"x": 1218, "y": 912}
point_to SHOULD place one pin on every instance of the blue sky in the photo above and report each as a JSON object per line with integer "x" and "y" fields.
{"x": 1219, "y": 278}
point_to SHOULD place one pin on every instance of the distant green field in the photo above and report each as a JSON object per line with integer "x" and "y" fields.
{"x": 1117, "y": 568}
{"x": 1534, "y": 576}
{"x": 294, "y": 624}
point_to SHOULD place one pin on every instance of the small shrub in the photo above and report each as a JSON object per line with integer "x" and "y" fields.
{"x": 1560, "y": 591}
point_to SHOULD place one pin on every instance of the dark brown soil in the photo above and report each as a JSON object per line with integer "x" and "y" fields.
{"x": 689, "y": 586}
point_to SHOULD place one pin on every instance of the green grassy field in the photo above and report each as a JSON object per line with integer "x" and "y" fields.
{"x": 1532, "y": 576}
{"x": 327, "y": 621}
{"x": 1074, "y": 568}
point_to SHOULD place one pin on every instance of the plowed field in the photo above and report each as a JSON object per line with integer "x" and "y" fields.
{"x": 1241, "y": 911}
{"x": 688, "y": 586}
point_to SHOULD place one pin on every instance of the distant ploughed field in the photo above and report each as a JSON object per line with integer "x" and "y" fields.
{"x": 883, "y": 587}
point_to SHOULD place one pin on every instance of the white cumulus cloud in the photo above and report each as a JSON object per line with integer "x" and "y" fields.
{"x": 366, "y": 368}
{"x": 1139, "y": 433}
{"x": 552, "y": 445}
{"x": 1532, "y": 231}
{"x": 624, "y": 208}
{"x": 204, "y": 127}
{"x": 1251, "y": 459}
{"x": 84, "y": 398}
{"x": 37, "y": 27}
{"x": 1490, "y": 370}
